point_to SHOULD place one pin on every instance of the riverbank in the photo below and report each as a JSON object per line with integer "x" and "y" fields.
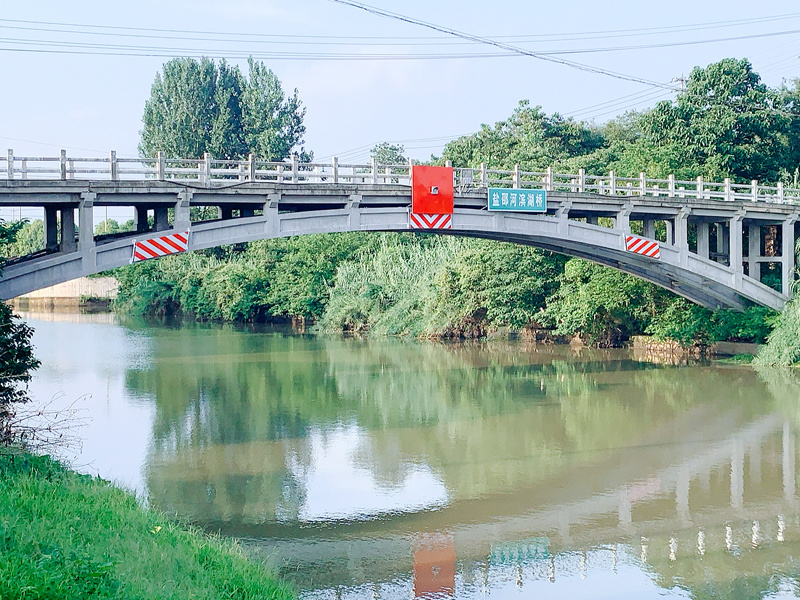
{"x": 66, "y": 535}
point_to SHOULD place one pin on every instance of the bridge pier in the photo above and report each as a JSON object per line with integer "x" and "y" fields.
{"x": 160, "y": 218}
{"x": 140, "y": 223}
{"x": 68, "y": 243}
{"x": 703, "y": 239}
{"x": 754, "y": 251}
{"x": 649, "y": 229}
{"x": 51, "y": 228}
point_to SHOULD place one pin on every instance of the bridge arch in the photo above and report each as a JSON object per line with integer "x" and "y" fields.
{"x": 301, "y": 210}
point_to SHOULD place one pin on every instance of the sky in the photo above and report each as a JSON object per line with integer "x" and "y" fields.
{"x": 76, "y": 75}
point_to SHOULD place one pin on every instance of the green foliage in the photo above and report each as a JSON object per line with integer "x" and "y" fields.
{"x": 22, "y": 237}
{"x": 443, "y": 287}
{"x": 16, "y": 352}
{"x": 783, "y": 344}
{"x": 389, "y": 154}
{"x": 602, "y": 305}
{"x": 201, "y": 106}
{"x": 529, "y": 138}
{"x": 691, "y": 324}
{"x": 66, "y": 536}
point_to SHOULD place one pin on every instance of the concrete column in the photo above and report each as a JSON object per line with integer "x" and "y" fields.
{"x": 682, "y": 235}
{"x": 248, "y": 212}
{"x": 623, "y": 219}
{"x": 563, "y": 217}
{"x": 787, "y": 254}
{"x": 183, "y": 217}
{"x": 86, "y": 221}
{"x": 140, "y": 219}
{"x": 161, "y": 219}
{"x": 225, "y": 212}
{"x": 735, "y": 249}
{"x": 354, "y": 208}
{"x": 51, "y": 228}
{"x": 68, "y": 230}
{"x": 702, "y": 239}
{"x": 273, "y": 225}
{"x": 591, "y": 220}
{"x": 649, "y": 229}
{"x": 670, "y": 231}
{"x": 754, "y": 251}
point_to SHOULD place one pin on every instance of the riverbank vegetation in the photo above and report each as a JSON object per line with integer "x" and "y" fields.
{"x": 725, "y": 124}
{"x": 66, "y": 536}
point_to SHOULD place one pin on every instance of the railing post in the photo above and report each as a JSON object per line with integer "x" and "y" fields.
{"x": 374, "y": 168}
{"x": 754, "y": 189}
{"x": 671, "y": 184}
{"x": 161, "y": 166}
{"x": 581, "y": 180}
{"x": 112, "y": 161}
{"x": 642, "y": 184}
{"x": 612, "y": 183}
{"x": 206, "y": 168}
{"x": 484, "y": 176}
{"x": 780, "y": 192}
{"x": 63, "y": 164}
{"x": 295, "y": 169}
{"x": 656, "y": 190}
{"x": 629, "y": 190}
{"x": 700, "y": 187}
{"x": 251, "y": 167}
{"x": 517, "y": 178}
{"x": 70, "y": 169}
{"x": 549, "y": 183}
{"x": 10, "y": 163}
{"x": 728, "y": 189}
{"x": 335, "y": 167}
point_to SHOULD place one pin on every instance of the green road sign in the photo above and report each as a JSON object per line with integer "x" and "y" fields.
{"x": 518, "y": 200}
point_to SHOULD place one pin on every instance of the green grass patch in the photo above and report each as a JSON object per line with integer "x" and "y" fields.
{"x": 66, "y": 535}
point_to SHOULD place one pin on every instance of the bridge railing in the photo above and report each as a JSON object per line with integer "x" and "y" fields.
{"x": 208, "y": 171}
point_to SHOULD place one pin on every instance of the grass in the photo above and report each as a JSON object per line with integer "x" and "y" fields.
{"x": 66, "y": 535}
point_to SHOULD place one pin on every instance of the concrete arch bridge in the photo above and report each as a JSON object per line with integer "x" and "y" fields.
{"x": 717, "y": 241}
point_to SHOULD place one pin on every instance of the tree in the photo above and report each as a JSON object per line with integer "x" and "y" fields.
{"x": 726, "y": 124}
{"x": 389, "y": 154}
{"x": 200, "y": 106}
{"x": 16, "y": 352}
{"x": 529, "y": 138}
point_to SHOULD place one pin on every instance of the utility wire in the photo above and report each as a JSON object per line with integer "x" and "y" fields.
{"x": 496, "y": 44}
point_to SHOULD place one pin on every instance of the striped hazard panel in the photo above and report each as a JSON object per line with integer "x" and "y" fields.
{"x": 161, "y": 246}
{"x": 642, "y": 246}
{"x": 429, "y": 221}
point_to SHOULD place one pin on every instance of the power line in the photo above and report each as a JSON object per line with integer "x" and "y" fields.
{"x": 501, "y": 45}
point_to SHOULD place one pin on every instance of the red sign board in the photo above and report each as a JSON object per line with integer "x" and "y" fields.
{"x": 431, "y": 190}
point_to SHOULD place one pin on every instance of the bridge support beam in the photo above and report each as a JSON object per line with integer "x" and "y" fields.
{"x": 86, "y": 221}
{"x": 51, "y": 228}
{"x": 754, "y": 251}
{"x": 787, "y": 254}
{"x": 68, "y": 230}
{"x": 735, "y": 249}
{"x": 140, "y": 219}
{"x": 702, "y": 239}
{"x": 160, "y": 218}
{"x": 183, "y": 216}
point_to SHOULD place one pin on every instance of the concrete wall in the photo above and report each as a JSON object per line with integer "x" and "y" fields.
{"x": 83, "y": 287}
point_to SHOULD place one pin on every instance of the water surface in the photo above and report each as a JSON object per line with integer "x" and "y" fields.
{"x": 395, "y": 469}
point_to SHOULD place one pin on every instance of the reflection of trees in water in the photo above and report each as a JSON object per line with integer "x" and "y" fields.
{"x": 234, "y": 412}
{"x": 784, "y": 388}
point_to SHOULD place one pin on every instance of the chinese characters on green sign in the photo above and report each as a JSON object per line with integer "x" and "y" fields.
{"x": 518, "y": 200}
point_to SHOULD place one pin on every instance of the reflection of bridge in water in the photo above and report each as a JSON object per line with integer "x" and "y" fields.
{"x": 717, "y": 512}
{"x": 704, "y": 483}
{"x": 719, "y": 240}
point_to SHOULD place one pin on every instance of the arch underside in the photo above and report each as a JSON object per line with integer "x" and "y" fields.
{"x": 700, "y": 280}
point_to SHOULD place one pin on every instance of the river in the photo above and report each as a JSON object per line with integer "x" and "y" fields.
{"x": 395, "y": 469}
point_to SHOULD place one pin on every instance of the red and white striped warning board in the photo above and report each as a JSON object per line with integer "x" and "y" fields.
{"x": 643, "y": 246}
{"x": 429, "y": 221}
{"x": 161, "y": 246}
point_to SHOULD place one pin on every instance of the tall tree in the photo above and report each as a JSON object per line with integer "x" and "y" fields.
{"x": 200, "y": 106}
